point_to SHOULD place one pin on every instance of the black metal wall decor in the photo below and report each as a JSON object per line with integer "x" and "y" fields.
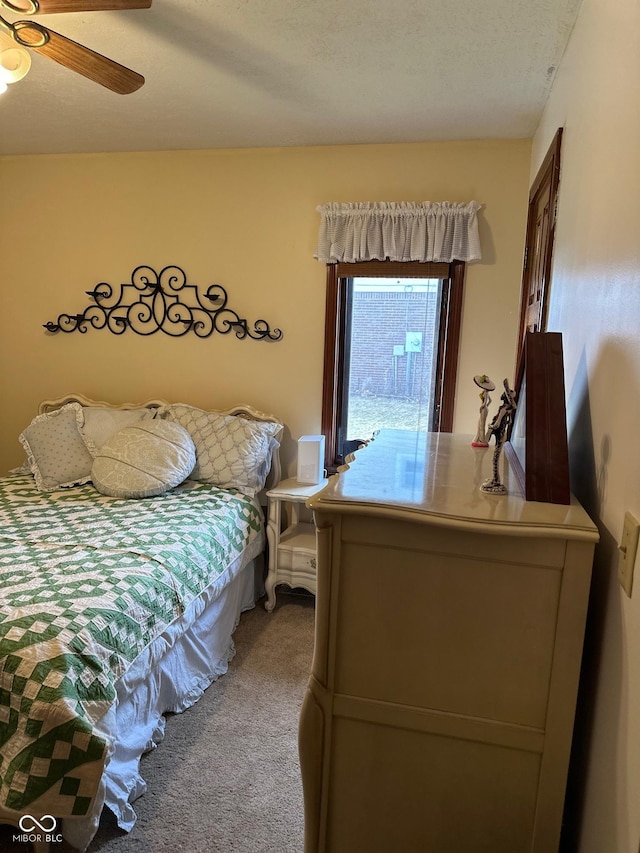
{"x": 162, "y": 302}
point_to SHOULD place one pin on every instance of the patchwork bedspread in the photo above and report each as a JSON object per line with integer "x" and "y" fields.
{"x": 86, "y": 583}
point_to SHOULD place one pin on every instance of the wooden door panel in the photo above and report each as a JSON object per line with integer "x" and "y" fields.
{"x": 536, "y": 275}
{"x": 537, "y": 284}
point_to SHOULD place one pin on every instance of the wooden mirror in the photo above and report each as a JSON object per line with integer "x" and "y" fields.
{"x": 537, "y": 448}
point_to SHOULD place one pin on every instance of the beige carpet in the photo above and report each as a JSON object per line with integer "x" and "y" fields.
{"x": 226, "y": 778}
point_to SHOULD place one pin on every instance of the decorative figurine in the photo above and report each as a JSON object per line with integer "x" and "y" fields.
{"x": 483, "y": 381}
{"x": 498, "y": 428}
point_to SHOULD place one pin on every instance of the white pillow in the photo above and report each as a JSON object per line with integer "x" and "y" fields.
{"x": 100, "y": 423}
{"x": 144, "y": 460}
{"x": 231, "y": 452}
{"x": 57, "y": 451}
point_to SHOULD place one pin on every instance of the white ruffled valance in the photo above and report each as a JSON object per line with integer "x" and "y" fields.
{"x": 398, "y": 231}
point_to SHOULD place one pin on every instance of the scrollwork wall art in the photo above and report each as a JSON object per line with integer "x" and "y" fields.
{"x": 161, "y": 302}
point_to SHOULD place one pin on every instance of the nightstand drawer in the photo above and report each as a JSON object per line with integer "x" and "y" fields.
{"x": 297, "y": 560}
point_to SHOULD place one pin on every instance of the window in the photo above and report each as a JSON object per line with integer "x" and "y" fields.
{"x": 391, "y": 350}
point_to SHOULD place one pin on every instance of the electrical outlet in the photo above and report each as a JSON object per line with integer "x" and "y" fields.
{"x": 628, "y": 549}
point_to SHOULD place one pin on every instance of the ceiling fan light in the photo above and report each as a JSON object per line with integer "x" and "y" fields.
{"x": 14, "y": 64}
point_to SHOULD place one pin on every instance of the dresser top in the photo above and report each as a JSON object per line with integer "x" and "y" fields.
{"x": 436, "y": 478}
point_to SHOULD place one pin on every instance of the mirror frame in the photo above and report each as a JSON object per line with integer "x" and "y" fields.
{"x": 537, "y": 447}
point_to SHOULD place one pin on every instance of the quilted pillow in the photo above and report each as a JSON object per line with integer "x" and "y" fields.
{"x": 100, "y": 423}
{"x": 57, "y": 450}
{"x": 231, "y": 452}
{"x": 144, "y": 460}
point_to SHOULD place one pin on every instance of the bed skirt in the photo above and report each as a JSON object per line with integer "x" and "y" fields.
{"x": 168, "y": 677}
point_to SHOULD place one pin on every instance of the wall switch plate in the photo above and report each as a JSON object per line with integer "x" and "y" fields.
{"x": 628, "y": 549}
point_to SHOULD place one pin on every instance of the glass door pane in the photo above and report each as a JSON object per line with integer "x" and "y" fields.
{"x": 391, "y": 355}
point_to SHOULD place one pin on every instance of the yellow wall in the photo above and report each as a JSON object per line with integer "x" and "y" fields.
{"x": 245, "y": 219}
{"x": 595, "y": 303}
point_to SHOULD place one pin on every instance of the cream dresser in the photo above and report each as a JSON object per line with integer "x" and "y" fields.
{"x": 449, "y": 632}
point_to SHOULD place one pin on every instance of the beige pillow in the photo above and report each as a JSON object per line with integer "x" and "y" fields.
{"x": 100, "y": 422}
{"x": 231, "y": 452}
{"x": 144, "y": 460}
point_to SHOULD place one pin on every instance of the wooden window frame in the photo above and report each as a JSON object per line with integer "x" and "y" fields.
{"x": 453, "y": 276}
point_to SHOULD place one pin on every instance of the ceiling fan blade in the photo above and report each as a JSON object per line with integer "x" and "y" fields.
{"x": 51, "y": 7}
{"x": 78, "y": 58}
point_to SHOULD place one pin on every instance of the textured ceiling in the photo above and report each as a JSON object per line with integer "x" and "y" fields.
{"x": 254, "y": 73}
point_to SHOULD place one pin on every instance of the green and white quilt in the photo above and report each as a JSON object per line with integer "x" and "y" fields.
{"x": 86, "y": 583}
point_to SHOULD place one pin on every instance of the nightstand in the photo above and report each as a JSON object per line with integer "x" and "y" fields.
{"x": 292, "y": 552}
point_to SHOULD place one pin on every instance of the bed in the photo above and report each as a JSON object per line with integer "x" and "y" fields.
{"x": 132, "y": 540}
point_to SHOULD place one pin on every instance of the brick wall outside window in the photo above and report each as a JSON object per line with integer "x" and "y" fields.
{"x": 380, "y": 321}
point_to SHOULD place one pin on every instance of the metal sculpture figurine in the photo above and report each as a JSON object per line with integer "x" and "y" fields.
{"x": 483, "y": 382}
{"x": 498, "y": 428}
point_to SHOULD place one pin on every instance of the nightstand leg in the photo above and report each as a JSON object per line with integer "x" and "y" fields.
{"x": 273, "y": 534}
